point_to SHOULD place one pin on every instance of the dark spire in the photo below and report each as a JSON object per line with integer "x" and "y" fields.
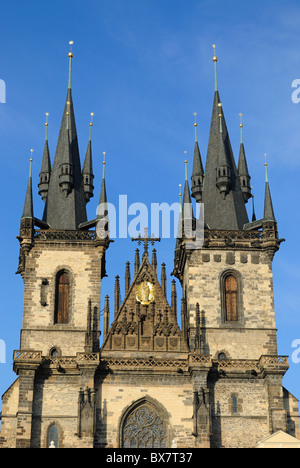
{"x": 198, "y": 172}
{"x": 87, "y": 171}
{"x": 227, "y": 213}
{"x": 28, "y": 205}
{"x": 46, "y": 167}
{"x": 243, "y": 169}
{"x": 103, "y": 195}
{"x": 102, "y": 211}
{"x": 179, "y": 227}
{"x": 223, "y": 169}
{"x": 66, "y": 179}
{"x": 61, "y": 211}
{"x": 187, "y": 208}
{"x": 268, "y": 208}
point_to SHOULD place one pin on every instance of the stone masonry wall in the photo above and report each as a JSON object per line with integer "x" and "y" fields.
{"x": 255, "y": 333}
{"x": 83, "y": 262}
{"x": 120, "y": 390}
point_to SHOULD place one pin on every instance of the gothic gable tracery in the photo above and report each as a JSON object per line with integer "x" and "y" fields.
{"x": 145, "y": 321}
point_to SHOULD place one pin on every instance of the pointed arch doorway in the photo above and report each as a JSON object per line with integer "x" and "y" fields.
{"x": 144, "y": 425}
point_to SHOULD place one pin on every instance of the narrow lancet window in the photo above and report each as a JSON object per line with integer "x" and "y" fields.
{"x": 53, "y": 436}
{"x": 231, "y": 299}
{"x": 234, "y": 402}
{"x": 62, "y": 298}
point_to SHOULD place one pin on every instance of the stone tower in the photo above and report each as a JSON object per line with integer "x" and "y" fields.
{"x": 62, "y": 263}
{"x": 205, "y": 376}
{"x": 228, "y": 288}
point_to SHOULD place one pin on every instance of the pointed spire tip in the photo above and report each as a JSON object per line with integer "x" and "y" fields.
{"x": 215, "y": 59}
{"x": 70, "y": 63}
{"x": 195, "y": 125}
{"x": 241, "y": 127}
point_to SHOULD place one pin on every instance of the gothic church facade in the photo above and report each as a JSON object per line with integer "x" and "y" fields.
{"x": 213, "y": 381}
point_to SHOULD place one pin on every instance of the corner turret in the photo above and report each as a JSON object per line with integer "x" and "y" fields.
{"x": 87, "y": 171}
{"x": 243, "y": 169}
{"x": 45, "y": 173}
{"x": 198, "y": 172}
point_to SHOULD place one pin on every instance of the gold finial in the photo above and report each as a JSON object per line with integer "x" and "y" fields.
{"x": 241, "y": 122}
{"x": 185, "y": 162}
{"x": 215, "y": 58}
{"x": 195, "y": 125}
{"x": 195, "y": 114}
{"x": 266, "y": 165}
{"x": 220, "y": 109}
{"x": 180, "y": 199}
{"x": 91, "y": 124}
{"x": 220, "y": 117}
{"x": 31, "y": 151}
{"x": 68, "y": 108}
{"x": 103, "y": 173}
{"x": 241, "y": 127}
{"x": 46, "y": 124}
{"x": 92, "y": 115}
{"x": 71, "y": 53}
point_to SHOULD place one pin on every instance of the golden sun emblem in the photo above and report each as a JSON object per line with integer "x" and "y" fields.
{"x": 145, "y": 293}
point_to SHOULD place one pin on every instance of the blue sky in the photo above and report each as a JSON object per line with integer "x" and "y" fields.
{"x": 144, "y": 67}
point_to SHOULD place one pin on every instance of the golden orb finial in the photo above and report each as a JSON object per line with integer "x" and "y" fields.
{"x": 220, "y": 109}
{"x": 47, "y": 115}
{"x": 92, "y": 115}
{"x": 266, "y": 159}
{"x": 215, "y": 58}
{"x": 195, "y": 124}
{"x": 71, "y": 53}
{"x": 241, "y": 122}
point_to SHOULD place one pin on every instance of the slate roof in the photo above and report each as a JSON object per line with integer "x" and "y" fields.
{"x": 227, "y": 213}
{"x": 66, "y": 212}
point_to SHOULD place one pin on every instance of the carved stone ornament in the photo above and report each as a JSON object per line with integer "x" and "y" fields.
{"x": 145, "y": 293}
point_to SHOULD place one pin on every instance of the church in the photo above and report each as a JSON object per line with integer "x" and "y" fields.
{"x": 207, "y": 375}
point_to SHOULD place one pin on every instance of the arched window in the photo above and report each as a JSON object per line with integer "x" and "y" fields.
{"x": 231, "y": 294}
{"x": 62, "y": 297}
{"x": 144, "y": 427}
{"x": 231, "y": 300}
{"x": 53, "y": 436}
{"x": 54, "y": 352}
{"x": 222, "y": 357}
